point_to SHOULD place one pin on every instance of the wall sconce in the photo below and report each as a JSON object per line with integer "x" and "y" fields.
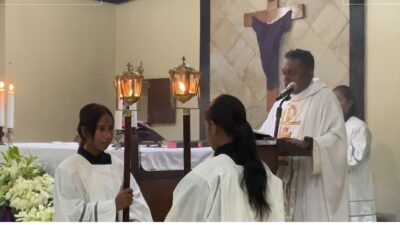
{"x": 128, "y": 86}
{"x": 185, "y": 83}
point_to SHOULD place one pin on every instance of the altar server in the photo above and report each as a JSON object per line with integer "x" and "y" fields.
{"x": 234, "y": 185}
{"x": 88, "y": 185}
{"x": 361, "y": 192}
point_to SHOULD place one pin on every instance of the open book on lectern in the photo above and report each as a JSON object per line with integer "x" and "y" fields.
{"x": 263, "y": 138}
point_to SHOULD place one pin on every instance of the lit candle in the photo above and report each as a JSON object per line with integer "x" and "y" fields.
{"x": 10, "y": 107}
{"x": 120, "y": 104}
{"x": 182, "y": 87}
{"x": 2, "y": 108}
{"x": 130, "y": 93}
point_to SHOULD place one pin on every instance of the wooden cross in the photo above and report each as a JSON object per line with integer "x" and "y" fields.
{"x": 274, "y": 12}
{"x": 270, "y": 15}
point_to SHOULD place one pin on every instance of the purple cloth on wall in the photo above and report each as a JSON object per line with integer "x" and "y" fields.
{"x": 269, "y": 37}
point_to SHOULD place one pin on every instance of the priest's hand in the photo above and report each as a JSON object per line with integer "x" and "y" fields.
{"x": 124, "y": 198}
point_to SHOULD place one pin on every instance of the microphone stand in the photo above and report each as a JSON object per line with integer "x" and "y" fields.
{"x": 279, "y": 114}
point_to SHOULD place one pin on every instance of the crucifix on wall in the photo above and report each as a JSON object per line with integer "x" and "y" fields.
{"x": 269, "y": 25}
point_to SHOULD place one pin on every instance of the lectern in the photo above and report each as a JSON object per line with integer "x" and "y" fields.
{"x": 270, "y": 150}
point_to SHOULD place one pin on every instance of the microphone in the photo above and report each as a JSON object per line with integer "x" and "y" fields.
{"x": 287, "y": 91}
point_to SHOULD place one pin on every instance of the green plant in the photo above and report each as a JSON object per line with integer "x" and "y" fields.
{"x": 25, "y": 187}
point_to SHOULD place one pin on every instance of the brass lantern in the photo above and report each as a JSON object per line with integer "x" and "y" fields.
{"x": 128, "y": 85}
{"x": 185, "y": 82}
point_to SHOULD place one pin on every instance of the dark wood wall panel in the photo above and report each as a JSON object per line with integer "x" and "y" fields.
{"x": 205, "y": 18}
{"x": 357, "y": 55}
{"x": 159, "y": 107}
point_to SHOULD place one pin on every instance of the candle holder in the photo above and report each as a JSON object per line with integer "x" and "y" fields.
{"x": 128, "y": 87}
{"x": 9, "y": 136}
{"x": 1, "y": 136}
{"x": 118, "y": 137}
{"x": 185, "y": 82}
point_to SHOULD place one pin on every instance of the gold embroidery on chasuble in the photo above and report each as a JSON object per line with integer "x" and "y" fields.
{"x": 289, "y": 127}
{"x": 288, "y": 121}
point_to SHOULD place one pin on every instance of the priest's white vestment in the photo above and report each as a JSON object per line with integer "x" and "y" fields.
{"x": 361, "y": 192}
{"x": 316, "y": 188}
{"x": 86, "y": 192}
{"x": 212, "y": 192}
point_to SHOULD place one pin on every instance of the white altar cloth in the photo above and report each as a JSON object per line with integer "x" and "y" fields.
{"x": 151, "y": 158}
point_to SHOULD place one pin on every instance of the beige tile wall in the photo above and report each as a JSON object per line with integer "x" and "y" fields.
{"x": 235, "y": 59}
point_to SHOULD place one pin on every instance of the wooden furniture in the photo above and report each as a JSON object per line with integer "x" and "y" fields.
{"x": 274, "y": 155}
{"x": 158, "y": 186}
{"x": 159, "y": 110}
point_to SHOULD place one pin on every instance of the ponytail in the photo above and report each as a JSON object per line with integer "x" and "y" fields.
{"x": 254, "y": 178}
{"x": 229, "y": 113}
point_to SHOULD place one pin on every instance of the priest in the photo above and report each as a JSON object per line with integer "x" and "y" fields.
{"x": 315, "y": 185}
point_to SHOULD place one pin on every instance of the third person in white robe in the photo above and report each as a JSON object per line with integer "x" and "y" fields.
{"x": 361, "y": 184}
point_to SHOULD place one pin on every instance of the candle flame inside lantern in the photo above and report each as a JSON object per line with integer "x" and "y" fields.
{"x": 182, "y": 86}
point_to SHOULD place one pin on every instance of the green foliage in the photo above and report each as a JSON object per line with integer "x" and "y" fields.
{"x": 25, "y": 186}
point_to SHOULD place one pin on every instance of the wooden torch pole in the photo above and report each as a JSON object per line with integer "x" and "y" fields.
{"x": 186, "y": 141}
{"x": 127, "y": 156}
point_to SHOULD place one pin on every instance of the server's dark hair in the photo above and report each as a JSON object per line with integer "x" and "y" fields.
{"x": 305, "y": 57}
{"x": 229, "y": 113}
{"x": 89, "y": 116}
{"x": 348, "y": 94}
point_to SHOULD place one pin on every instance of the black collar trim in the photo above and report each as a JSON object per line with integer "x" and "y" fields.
{"x": 103, "y": 158}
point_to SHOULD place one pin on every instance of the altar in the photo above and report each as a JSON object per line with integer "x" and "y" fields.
{"x": 151, "y": 158}
{"x": 160, "y": 168}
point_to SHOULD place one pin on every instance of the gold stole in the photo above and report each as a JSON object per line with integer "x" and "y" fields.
{"x": 290, "y": 126}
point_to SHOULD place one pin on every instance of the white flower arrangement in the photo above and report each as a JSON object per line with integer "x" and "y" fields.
{"x": 25, "y": 187}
